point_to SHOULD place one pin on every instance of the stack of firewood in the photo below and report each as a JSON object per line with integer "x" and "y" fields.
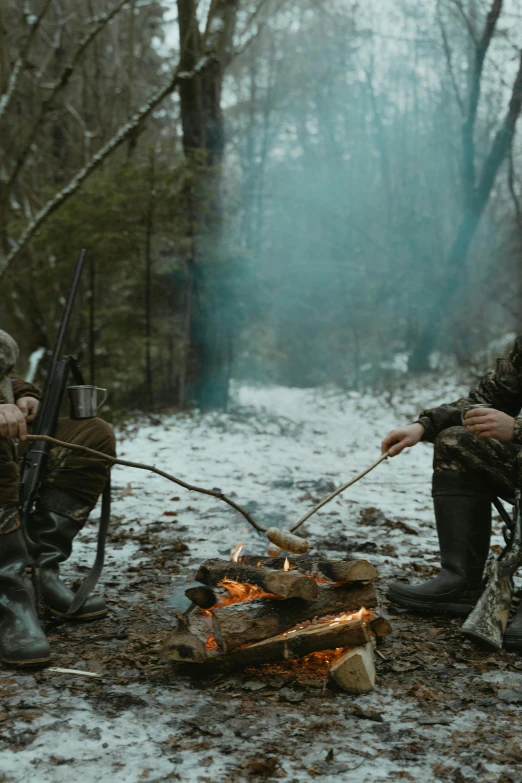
{"x": 254, "y": 612}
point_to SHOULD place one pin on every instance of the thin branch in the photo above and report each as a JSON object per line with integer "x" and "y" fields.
{"x": 512, "y": 190}
{"x": 502, "y": 143}
{"x": 481, "y": 48}
{"x": 21, "y": 62}
{"x": 339, "y": 490}
{"x": 449, "y": 61}
{"x": 466, "y": 20}
{"x": 119, "y": 137}
{"x": 60, "y": 85}
{"x": 141, "y": 466}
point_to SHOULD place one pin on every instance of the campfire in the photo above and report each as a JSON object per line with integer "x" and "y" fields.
{"x": 249, "y": 611}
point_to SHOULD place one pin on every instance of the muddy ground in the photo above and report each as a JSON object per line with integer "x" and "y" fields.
{"x": 442, "y": 710}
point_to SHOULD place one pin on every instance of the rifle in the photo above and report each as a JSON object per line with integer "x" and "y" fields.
{"x": 36, "y": 455}
{"x": 487, "y": 622}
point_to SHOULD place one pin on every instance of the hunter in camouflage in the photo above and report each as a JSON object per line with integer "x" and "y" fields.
{"x": 477, "y": 456}
{"x": 69, "y": 490}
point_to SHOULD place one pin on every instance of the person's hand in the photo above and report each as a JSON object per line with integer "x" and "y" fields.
{"x": 29, "y": 407}
{"x": 12, "y": 422}
{"x": 490, "y": 423}
{"x": 402, "y": 438}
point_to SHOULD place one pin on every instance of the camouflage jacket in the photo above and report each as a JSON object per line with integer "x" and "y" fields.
{"x": 501, "y": 388}
{"x": 21, "y": 388}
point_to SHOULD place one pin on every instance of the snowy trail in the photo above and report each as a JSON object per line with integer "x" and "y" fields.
{"x": 443, "y": 707}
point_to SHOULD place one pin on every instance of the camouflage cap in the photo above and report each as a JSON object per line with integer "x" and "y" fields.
{"x": 9, "y": 353}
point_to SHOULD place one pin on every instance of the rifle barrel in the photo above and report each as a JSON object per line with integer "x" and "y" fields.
{"x": 64, "y": 323}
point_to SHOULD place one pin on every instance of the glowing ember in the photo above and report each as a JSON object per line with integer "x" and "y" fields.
{"x": 211, "y": 643}
{"x": 286, "y": 566}
{"x": 235, "y": 553}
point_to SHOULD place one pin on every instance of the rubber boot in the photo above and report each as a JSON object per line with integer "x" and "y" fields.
{"x": 463, "y": 518}
{"x": 58, "y": 519}
{"x": 22, "y": 640}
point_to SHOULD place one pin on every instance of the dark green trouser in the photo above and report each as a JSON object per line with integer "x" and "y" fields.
{"x": 491, "y": 466}
{"x": 83, "y": 476}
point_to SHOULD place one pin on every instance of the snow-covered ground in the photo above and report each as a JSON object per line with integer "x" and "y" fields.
{"x": 441, "y": 710}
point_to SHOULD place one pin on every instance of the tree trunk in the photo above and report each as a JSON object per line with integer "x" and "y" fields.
{"x": 203, "y": 143}
{"x": 476, "y": 203}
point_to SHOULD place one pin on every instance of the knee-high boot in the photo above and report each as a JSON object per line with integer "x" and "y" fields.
{"x": 22, "y": 640}
{"x": 58, "y": 519}
{"x": 463, "y": 518}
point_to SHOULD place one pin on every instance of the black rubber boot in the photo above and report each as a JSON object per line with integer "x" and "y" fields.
{"x": 463, "y": 518}
{"x": 22, "y": 640}
{"x": 52, "y": 529}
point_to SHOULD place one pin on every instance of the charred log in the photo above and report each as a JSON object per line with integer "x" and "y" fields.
{"x": 283, "y": 584}
{"x": 295, "y": 644}
{"x": 252, "y": 621}
{"x": 334, "y": 570}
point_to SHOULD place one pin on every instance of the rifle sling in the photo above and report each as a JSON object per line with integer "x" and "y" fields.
{"x": 94, "y": 574}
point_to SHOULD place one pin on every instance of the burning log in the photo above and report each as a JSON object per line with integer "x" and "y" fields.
{"x": 354, "y": 671}
{"x": 251, "y": 621}
{"x": 334, "y": 570}
{"x": 295, "y": 644}
{"x": 183, "y": 645}
{"x": 283, "y": 584}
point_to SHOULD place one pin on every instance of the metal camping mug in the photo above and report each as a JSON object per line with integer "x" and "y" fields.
{"x": 84, "y": 401}
{"x": 472, "y": 407}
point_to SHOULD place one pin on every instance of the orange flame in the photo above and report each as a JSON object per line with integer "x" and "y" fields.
{"x": 286, "y": 566}
{"x": 211, "y": 643}
{"x": 239, "y": 591}
{"x": 236, "y": 552}
{"x": 365, "y": 615}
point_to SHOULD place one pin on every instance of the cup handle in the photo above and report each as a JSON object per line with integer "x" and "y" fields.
{"x": 99, "y": 404}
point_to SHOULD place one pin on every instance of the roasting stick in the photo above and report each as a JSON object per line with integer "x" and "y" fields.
{"x": 339, "y": 490}
{"x": 284, "y": 539}
{"x": 117, "y": 461}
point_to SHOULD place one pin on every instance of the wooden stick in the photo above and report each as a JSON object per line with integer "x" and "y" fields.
{"x": 117, "y": 461}
{"x": 338, "y": 491}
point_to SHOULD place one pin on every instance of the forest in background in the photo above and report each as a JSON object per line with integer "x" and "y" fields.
{"x": 291, "y": 191}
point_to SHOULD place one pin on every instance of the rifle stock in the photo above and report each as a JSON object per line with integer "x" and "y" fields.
{"x": 488, "y": 621}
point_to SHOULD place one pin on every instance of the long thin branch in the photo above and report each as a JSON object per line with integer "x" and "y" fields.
{"x": 468, "y": 128}
{"x": 141, "y": 466}
{"x": 119, "y": 137}
{"x": 449, "y": 61}
{"x": 21, "y": 62}
{"x": 502, "y": 143}
{"x": 60, "y": 85}
{"x": 339, "y": 490}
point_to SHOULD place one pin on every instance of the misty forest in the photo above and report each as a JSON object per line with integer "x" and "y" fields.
{"x": 303, "y": 230}
{"x": 302, "y": 193}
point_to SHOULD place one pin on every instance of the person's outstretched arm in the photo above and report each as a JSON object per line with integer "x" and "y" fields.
{"x": 501, "y": 388}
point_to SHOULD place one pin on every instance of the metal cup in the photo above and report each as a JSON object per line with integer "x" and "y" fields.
{"x": 84, "y": 401}
{"x": 472, "y": 407}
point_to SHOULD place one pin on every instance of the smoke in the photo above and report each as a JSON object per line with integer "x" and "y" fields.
{"x": 347, "y": 157}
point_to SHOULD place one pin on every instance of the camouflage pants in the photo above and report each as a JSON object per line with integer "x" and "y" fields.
{"x": 492, "y": 466}
{"x": 81, "y": 475}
